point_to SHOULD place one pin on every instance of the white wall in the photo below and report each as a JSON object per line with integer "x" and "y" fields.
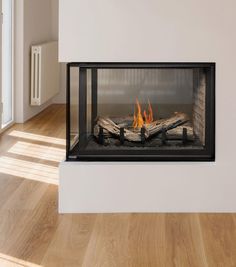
{"x": 169, "y": 31}
{"x": 36, "y": 22}
{"x": 54, "y": 18}
{"x": 19, "y": 60}
{"x": 61, "y": 97}
{"x": 37, "y": 29}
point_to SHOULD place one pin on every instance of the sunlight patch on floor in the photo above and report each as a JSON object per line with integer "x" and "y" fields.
{"x": 37, "y": 137}
{"x": 38, "y": 151}
{"x": 9, "y": 261}
{"x": 29, "y": 170}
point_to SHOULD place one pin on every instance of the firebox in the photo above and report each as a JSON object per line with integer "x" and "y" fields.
{"x": 140, "y": 112}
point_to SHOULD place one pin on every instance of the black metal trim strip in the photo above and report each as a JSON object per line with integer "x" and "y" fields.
{"x": 94, "y": 96}
{"x": 68, "y": 147}
{"x": 134, "y": 65}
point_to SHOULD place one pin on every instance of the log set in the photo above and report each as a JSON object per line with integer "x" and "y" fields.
{"x": 173, "y": 127}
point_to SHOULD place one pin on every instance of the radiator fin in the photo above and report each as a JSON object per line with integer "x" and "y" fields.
{"x": 44, "y": 73}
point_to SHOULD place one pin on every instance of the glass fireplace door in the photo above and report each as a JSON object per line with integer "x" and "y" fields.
{"x": 145, "y": 112}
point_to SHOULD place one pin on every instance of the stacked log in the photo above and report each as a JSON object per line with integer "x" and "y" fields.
{"x": 177, "y": 133}
{"x": 179, "y": 118}
{"x": 173, "y": 127}
{"x": 114, "y": 129}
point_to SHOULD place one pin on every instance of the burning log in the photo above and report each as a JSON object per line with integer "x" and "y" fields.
{"x": 173, "y": 134}
{"x": 114, "y": 129}
{"x": 168, "y": 124}
{"x": 106, "y": 133}
{"x": 110, "y": 128}
{"x": 177, "y": 133}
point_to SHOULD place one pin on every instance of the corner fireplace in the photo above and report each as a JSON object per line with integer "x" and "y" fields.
{"x": 140, "y": 112}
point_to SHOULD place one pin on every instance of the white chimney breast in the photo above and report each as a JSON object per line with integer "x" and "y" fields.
{"x": 158, "y": 31}
{"x": 140, "y": 30}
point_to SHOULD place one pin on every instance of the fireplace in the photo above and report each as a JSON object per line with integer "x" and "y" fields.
{"x": 140, "y": 112}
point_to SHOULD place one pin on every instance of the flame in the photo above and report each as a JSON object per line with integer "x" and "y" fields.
{"x": 148, "y": 117}
{"x": 141, "y": 119}
{"x": 138, "y": 118}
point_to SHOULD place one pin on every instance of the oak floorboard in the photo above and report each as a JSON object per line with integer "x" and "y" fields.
{"x": 26, "y": 190}
{"x": 70, "y": 242}
{"x": 184, "y": 246}
{"x": 219, "y": 237}
{"x": 108, "y": 245}
{"x": 146, "y": 240}
{"x": 8, "y": 185}
{"x": 40, "y": 226}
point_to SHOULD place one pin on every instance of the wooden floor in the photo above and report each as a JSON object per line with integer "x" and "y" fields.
{"x": 33, "y": 234}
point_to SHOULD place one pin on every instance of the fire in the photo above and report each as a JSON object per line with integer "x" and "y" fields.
{"x": 148, "y": 117}
{"x": 142, "y": 118}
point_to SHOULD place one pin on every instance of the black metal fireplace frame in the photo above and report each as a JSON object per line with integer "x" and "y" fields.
{"x": 206, "y": 154}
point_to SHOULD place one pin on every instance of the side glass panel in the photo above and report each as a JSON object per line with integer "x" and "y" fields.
{"x": 74, "y": 106}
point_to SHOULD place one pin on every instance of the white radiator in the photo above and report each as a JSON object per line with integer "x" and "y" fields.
{"x": 44, "y": 72}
